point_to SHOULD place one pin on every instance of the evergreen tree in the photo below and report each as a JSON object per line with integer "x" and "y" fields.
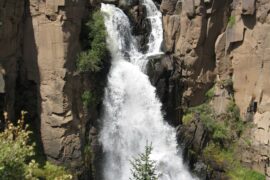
{"x": 142, "y": 167}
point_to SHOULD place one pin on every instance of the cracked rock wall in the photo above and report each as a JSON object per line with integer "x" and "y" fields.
{"x": 51, "y": 41}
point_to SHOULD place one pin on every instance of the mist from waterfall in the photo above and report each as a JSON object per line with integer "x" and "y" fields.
{"x": 132, "y": 112}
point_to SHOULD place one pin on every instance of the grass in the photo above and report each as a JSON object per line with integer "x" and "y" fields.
{"x": 242, "y": 173}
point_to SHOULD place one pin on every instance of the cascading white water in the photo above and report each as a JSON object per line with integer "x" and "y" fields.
{"x": 132, "y": 113}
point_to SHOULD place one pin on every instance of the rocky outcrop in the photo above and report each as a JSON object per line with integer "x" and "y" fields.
{"x": 224, "y": 42}
{"x": 51, "y": 43}
{"x": 206, "y": 42}
{"x": 247, "y": 40}
{"x": 39, "y": 43}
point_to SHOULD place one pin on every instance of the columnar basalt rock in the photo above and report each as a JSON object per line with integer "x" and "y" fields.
{"x": 190, "y": 32}
{"x": 51, "y": 43}
{"x": 250, "y": 67}
{"x": 226, "y": 42}
{"x": 11, "y": 21}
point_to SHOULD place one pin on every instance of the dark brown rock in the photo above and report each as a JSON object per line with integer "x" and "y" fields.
{"x": 168, "y": 6}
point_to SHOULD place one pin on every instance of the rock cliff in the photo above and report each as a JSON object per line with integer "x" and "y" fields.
{"x": 217, "y": 42}
{"x": 221, "y": 43}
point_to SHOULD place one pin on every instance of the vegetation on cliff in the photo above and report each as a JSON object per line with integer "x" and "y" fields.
{"x": 222, "y": 135}
{"x": 90, "y": 59}
{"x": 88, "y": 98}
{"x": 17, "y": 156}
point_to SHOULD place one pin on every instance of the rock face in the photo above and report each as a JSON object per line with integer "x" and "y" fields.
{"x": 39, "y": 43}
{"x": 250, "y": 66}
{"x": 205, "y": 41}
{"x": 226, "y": 42}
{"x": 11, "y": 22}
{"x": 51, "y": 41}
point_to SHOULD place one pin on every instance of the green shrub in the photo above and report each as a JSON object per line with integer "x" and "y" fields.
{"x": 15, "y": 150}
{"x": 90, "y": 60}
{"x": 210, "y": 93}
{"x": 87, "y": 98}
{"x": 48, "y": 172}
{"x": 187, "y": 118}
{"x": 222, "y": 145}
{"x": 215, "y": 153}
{"x": 16, "y": 156}
{"x": 217, "y": 129}
{"x": 232, "y": 21}
{"x": 233, "y": 115}
{"x": 233, "y": 110}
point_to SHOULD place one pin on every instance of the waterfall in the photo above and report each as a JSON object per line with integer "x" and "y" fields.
{"x": 132, "y": 113}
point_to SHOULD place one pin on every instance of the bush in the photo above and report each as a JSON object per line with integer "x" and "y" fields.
{"x": 16, "y": 151}
{"x": 90, "y": 60}
{"x": 87, "y": 98}
{"x": 48, "y": 172}
{"x": 210, "y": 93}
{"x": 220, "y": 156}
{"x": 233, "y": 116}
{"x": 187, "y": 118}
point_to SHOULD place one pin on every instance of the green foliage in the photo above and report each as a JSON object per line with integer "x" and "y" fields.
{"x": 233, "y": 115}
{"x": 217, "y": 129}
{"x": 210, "y": 93}
{"x": 241, "y": 173}
{"x": 15, "y": 150}
{"x": 91, "y": 59}
{"x": 87, "y": 98}
{"x": 48, "y": 172}
{"x": 226, "y": 157}
{"x": 187, "y": 118}
{"x": 232, "y": 21}
{"x": 214, "y": 152}
{"x": 16, "y": 156}
{"x": 143, "y": 167}
{"x": 223, "y": 133}
{"x": 233, "y": 110}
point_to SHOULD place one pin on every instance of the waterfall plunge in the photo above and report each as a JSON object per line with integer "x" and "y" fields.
{"x": 132, "y": 113}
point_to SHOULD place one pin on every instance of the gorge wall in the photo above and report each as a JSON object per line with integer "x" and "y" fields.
{"x": 213, "y": 43}
{"x": 206, "y": 43}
